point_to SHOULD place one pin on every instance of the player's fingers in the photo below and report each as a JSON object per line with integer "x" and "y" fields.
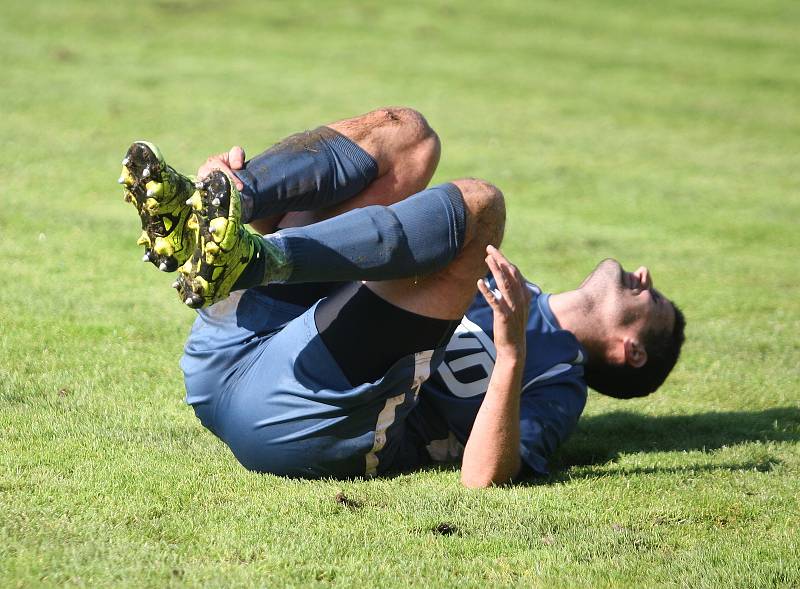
{"x": 512, "y": 272}
{"x": 220, "y": 162}
{"x": 234, "y": 160}
{"x": 520, "y": 285}
{"x": 226, "y": 169}
{"x": 493, "y": 297}
{"x": 516, "y": 282}
{"x": 507, "y": 267}
{"x": 501, "y": 278}
{"x": 211, "y": 164}
{"x": 235, "y": 179}
{"x": 515, "y": 292}
{"x": 236, "y": 157}
{"x": 496, "y": 270}
{"x": 484, "y": 289}
{"x": 499, "y": 256}
{"x": 207, "y": 168}
{"x": 502, "y": 274}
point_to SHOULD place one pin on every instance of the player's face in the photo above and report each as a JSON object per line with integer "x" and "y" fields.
{"x": 628, "y": 299}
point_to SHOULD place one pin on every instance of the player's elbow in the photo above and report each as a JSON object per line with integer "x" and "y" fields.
{"x": 476, "y": 482}
{"x": 485, "y": 479}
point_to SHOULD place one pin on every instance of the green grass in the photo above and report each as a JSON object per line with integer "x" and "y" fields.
{"x": 664, "y": 133}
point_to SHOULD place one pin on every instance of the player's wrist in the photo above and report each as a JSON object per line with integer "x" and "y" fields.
{"x": 511, "y": 352}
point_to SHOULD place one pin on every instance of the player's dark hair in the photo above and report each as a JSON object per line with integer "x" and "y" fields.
{"x": 625, "y": 382}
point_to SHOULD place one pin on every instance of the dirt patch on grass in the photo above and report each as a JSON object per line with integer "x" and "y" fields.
{"x": 345, "y": 501}
{"x": 445, "y": 529}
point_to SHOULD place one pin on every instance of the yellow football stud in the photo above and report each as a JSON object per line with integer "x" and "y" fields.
{"x": 217, "y": 227}
{"x": 151, "y": 205}
{"x": 195, "y": 201}
{"x": 154, "y": 188}
{"x": 163, "y": 247}
{"x": 126, "y": 177}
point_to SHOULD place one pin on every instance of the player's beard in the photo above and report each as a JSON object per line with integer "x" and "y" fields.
{"x": 603, "y": 285}
{"x": 607, "y": 273}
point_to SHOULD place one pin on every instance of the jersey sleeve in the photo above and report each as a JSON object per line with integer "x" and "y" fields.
{"x": 549, "y": 413}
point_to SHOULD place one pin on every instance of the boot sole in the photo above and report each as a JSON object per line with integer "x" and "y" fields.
{"x": 143, "y": 177}
{"x": 200, "y": 276}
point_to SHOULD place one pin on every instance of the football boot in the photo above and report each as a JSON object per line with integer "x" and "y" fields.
{"x": 224, "y": 249}
{"x": 159, "y": 194}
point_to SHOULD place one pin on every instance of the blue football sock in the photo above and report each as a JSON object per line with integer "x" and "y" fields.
{"x": 416, "y": 236}
{"x": 306, "y": 171}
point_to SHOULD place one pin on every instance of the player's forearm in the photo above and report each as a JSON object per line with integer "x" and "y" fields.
{"x": 491, "y": 456}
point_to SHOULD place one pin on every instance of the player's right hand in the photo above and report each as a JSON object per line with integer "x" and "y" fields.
{"x": 510, "y": 303}
{"x": 226, "y": 162}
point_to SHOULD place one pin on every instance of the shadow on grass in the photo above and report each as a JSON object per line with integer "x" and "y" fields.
{"x": 602, "y": 438}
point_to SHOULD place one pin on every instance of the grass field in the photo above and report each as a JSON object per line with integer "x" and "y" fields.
{"x": 665, "y": 133}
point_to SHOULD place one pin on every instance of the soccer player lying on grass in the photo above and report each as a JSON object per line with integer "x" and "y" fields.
{"x": 349, "y": 340}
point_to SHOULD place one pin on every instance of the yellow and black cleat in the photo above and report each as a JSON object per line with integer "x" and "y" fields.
{"x": 224, "y": 246}
{"x": 159, "y": 193}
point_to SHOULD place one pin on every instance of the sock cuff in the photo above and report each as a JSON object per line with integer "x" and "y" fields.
{"x": 309, "y": 170}
{"x": 364, "y": 163}
{"x": 457, "y": 214}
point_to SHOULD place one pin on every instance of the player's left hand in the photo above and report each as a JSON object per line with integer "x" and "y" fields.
{"x": 510, "y": 302}
{"x": 227, "y": 163}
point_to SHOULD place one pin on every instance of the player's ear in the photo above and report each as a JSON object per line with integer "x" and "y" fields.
{"x": 635, "y": 354}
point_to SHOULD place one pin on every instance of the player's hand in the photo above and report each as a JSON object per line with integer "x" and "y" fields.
{"x": 227, "y": 163}
{"x": 510, "y": 303}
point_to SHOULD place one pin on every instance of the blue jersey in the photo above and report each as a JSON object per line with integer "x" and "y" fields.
{"x": 553, "y": 386}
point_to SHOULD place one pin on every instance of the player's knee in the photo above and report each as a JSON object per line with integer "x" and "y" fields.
{"x": 486, "y": 208}
{"x": 414, "y": 126}
{"x": 412, "y": 133}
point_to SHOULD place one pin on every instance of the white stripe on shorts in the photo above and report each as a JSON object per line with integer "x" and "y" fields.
{"x": 387, "y": 416}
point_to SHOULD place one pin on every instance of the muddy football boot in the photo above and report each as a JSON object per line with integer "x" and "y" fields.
{"x": 159, "y": 193}
{"x": 224, "y": 249}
